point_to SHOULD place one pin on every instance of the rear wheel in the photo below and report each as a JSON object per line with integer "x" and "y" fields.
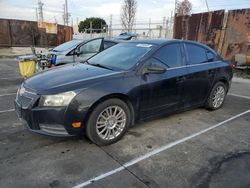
{"x": 217, "y": 96}
{"x": 108, "y": 122}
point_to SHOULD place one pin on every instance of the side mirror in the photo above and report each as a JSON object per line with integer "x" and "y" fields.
{"x": 153, "y": 70}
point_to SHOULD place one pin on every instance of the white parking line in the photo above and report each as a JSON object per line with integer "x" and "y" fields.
{"x": 10, "y": 110}
{"x": 8, "y": 78}
{"x": 156, "y": 151}
{"x": 236, "y": 95}
{"x": 7, "y": 94}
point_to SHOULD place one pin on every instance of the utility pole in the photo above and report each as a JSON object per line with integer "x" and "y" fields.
{"x": 36, "y": 15}
{"x": 149, "y": 28}
{"x": 175, "y": 7}
{"x": 207, "y": 5}
{"x": 167, "y": 28}
{"x": 164, "y": 25}
{"x": 172, "y": 25}
{"x": 40, "y": 11}
{"x": 110, "y": 26}
{"x": 63, "y": 16}
{"x": 66, "y": 14}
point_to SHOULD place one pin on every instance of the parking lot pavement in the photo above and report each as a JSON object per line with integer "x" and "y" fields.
{"x": 217, "y": 158}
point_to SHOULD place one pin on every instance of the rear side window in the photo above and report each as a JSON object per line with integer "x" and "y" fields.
{"x": 196, "y": 54}
{"x": 170, "y": 55}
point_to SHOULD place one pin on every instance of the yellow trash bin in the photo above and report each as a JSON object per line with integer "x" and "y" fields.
{"x": 27, "y": 65}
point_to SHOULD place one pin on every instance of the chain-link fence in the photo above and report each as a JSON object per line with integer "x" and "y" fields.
{"x": 158, "y": 28}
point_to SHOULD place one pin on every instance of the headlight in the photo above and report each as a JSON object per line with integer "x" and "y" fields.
{"x": 61, "y": 99}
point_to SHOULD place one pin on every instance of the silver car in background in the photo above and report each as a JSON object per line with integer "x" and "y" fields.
{"x": 76, "y": 50}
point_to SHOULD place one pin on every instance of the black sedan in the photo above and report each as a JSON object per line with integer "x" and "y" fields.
{"x": 126, "y": 83}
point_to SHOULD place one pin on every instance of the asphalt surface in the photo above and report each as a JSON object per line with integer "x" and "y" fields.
{"x": 196, "y": 148}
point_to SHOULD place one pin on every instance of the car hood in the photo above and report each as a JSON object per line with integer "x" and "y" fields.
{"x": 67, "y": 78}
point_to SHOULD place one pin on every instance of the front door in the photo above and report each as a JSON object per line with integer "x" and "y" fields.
{"x": 161, "y": 93}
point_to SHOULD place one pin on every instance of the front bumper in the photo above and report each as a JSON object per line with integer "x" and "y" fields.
{"x": 51, "y": 121}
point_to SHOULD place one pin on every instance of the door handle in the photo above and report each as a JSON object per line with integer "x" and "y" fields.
{"x": 211, "y": 72}
{"x": 180, "y": 79}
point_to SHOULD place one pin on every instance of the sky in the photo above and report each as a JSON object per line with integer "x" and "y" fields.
{"x": 81, "y": 9}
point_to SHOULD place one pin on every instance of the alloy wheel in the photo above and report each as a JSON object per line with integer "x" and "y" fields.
{"x": 218, "y": 97}
{"x": 111, "y": 122}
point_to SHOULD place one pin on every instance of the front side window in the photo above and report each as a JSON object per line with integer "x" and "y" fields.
{"x": 196, "y": 54}
{"x": 91, "y": 47}
{"x": 122, "y": 56}
{"x": 152, "y": 62}
{"x": 67, "y": 45}
{"x": 170, "y": 55}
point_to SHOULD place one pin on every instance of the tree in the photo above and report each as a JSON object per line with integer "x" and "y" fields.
{"x": 184, "y": 8}
{"x": 97, "y": 25}
{"x": 128, "y": 13}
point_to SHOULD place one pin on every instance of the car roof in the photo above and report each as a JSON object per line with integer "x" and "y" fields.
{"x": 85, "y": 40}
{"x": 156, "y": 42}
{"x": 159, "y": 42}
{"x": 153, "y": 41}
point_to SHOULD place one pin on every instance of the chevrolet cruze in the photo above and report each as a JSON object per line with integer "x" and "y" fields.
{"x": 131, "y": 81}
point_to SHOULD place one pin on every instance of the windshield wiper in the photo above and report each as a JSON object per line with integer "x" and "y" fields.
{"x": 99, "y": 65}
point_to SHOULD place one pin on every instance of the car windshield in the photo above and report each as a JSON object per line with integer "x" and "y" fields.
{"x": 122, "y": 56}
{"x": 67, "y": 45}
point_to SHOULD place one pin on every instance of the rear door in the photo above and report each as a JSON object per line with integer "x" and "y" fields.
{"x": 200, "y": 75}
{"x": 89, "y": 49}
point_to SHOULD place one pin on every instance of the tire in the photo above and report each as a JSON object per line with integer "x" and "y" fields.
{"x": 117, "y": 124}
{"x": 211, "y": 103}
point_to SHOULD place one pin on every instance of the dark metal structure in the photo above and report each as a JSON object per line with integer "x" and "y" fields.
{"x": 27, "y": 33}
{"x": 226, "y": 32}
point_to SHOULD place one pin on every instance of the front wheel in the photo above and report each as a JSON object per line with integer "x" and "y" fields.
{"x": 108, "y": 122}
{"x": 217, "y": 96}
